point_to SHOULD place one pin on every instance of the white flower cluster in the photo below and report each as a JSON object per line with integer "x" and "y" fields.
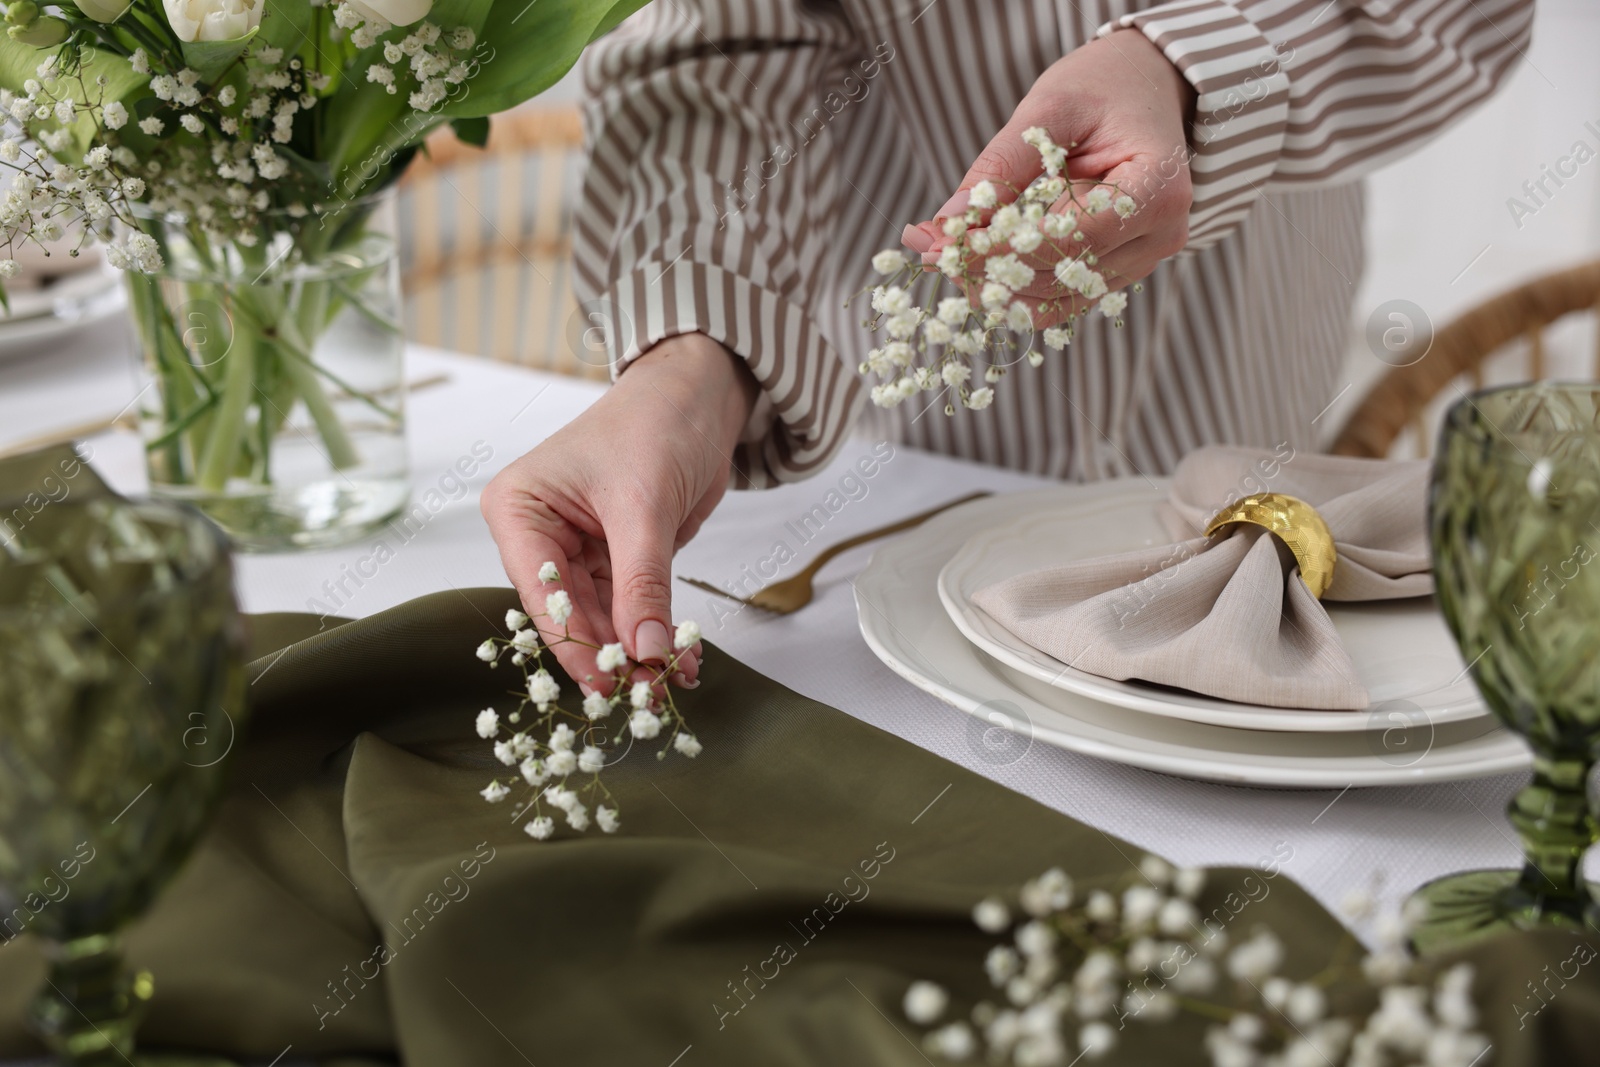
{"x": 49, "y": 197}
{"x": 560, "y": 746}
{"x": 1000, "y": 256}
{"x": 221, "y": 157}
{"x": 433, "y": 59}
{"x": 230, "y": 169}
{"x": 1147, "y": 954}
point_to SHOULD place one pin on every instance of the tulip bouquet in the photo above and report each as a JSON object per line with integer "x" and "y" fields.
{"x": 999, "y": 247}
{"x": 231, "y": 156}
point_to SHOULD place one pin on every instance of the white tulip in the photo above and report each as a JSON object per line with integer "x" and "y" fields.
{"x": 213, "y": 20}
{"x": 395, "y": 12}
{"x": 104, "y": 10}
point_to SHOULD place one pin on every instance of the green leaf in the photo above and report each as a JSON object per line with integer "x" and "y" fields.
{"x": 473, "y": 131}
{"x": 286, "y": 24}
{"x": 19, "y": 62}
{"x": 529, "y": 45}
{"x": 370, "y": 130}
{"x": 448, "y": 14}
{"x": 211, "y": 58}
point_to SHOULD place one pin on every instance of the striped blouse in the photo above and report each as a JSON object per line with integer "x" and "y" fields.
{"x": 747, "y": 157}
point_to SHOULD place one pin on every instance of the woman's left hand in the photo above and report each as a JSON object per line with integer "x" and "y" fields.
{"x": 1123, "y": 110}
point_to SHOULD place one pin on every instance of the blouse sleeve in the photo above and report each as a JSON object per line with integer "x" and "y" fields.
{"x": 697, "y": 214}
{"x": 1294, "y": 92}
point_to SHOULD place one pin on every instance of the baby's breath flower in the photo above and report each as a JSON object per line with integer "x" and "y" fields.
{"x": 925, "y": 1002}
{"x": 541, "y": 828}
{"x": 687, "y": 635}
{"x": 611, "y": 657}
{"x": 983, "y": 195}
{"x": 608, "y": 819}
{"x": 889, "y": 261}
{"x": 488, "y": 723}
{"x": 558, "y": 606}
{"x": 596, "y": 706}
{"x": 495, "y": 792}
{"x": 542, "y": 688}
{"x": 687, "y": 745}
{"x": 644, "y": 724}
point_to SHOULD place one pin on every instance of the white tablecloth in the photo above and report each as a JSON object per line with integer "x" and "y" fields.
{"x": 1389, "y": 840}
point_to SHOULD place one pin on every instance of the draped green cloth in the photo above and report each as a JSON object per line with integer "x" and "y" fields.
{"x": 766, "y": 903}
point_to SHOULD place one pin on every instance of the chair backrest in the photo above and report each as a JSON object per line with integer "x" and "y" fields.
{"x": 1499, "y": 341}
{"x": 487, "y": 242}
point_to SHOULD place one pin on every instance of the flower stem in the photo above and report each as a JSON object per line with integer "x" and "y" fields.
{"x": 221, "y": 449}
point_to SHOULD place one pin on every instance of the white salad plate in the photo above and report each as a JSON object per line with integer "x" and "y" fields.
{"x": 65, "y": 306}
{"x": 1402, "y": 650}
{"x": 906, "y": 626}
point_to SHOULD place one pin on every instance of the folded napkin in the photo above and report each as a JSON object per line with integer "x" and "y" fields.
{"x": 1229, "y": 616}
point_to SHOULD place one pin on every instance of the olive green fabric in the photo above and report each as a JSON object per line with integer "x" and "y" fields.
{"x": 766, "y": 903}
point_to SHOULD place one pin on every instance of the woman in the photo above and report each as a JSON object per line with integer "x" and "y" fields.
{"x": 748, "y": 156}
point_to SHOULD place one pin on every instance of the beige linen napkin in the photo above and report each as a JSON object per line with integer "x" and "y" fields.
{"x": 1229, "y": 616}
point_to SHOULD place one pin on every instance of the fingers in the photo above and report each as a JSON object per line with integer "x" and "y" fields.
{"x": 528, "y": 535}
{"x": 641, "y": 583}
{"x": 1007, "y": 162}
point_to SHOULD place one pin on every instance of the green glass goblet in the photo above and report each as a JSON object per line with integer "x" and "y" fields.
{"x": 1514, "y": 515}
{"x": 121, "y": 688}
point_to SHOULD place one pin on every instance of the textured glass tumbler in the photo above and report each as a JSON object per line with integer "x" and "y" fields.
{"x": 121, "y": 691}
{"x": 1514, "y": 514}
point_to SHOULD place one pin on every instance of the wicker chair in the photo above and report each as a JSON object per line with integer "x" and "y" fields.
{"x": 487, "y": 245}
{"x": 1513, "y": 325}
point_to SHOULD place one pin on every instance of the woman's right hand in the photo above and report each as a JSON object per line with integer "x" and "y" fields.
{"x": 611, "y": 496}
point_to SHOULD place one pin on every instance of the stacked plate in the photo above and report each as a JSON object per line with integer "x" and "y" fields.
{"x": 59, "y": 307}
{"x": 1426, "y": 722}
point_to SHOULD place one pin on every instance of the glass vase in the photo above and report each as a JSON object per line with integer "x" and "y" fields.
{"x": 274, "y": 393}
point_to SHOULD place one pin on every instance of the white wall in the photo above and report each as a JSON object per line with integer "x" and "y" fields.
{"x": 1439, "y": 232}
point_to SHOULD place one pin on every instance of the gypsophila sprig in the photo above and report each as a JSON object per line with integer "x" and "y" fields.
{"x": 1078, "y": 968}
{"x": 558, "y": 754}
{"x": 958, "y": 346}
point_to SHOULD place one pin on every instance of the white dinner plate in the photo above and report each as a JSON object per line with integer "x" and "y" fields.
{"x": 67, "y": 305}
{"x": 905, "y": 625}
{"x": 1402, "y": 649}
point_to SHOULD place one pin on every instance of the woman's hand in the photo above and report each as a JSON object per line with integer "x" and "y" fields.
{"x": 1122, "y": 109}
{"x": 611, "y": 496}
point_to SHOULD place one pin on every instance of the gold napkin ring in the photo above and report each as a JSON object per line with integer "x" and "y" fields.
{"x": 1296, "y": 524}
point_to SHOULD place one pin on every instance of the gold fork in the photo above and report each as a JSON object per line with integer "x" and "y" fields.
{"x": 794, "y": 593}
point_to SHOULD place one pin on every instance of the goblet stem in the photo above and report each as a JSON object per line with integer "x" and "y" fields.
{"x": 90, "y": 1008}
{"x": 1553, "y": 817}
